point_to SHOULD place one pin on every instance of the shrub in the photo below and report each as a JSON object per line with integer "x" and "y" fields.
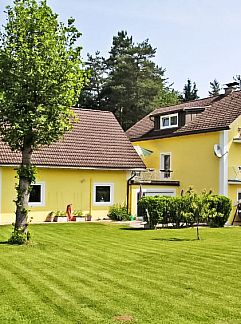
{"x": 220, "y": 208}
{"x": 186, "y": 209}
{"x": 118, "y": 212}
{"x": 19, "y": 236}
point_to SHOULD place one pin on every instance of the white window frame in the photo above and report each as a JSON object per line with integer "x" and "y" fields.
{"x": 162, "y": 165}
{"x": 103, "y": 203}
{"x": 169, "y": 117}
{"x": 238, "y": 192}
{"x": 160, "y": 192}
{"x": 42, "y": 195}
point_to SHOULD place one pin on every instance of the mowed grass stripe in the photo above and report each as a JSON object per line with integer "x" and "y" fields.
{"x": 161, "y": 276}
{"x": 55, "y": 290}
{"x": 25, "y": 301}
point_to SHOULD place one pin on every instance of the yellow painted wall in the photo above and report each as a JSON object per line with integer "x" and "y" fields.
{"x": 192, "y": 159}
{"x": 62, "y": 187}
{"x": 234, "y": 161}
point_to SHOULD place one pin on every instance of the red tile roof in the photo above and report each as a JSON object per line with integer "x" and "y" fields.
{"x": 219, "y": 113}
{"x": 96, "y": 141}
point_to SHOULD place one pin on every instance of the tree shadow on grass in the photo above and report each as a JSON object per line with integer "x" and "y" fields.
{"x": 4, "y": 242}
{"x": 132, "y": 229}
{"x": 174, "y": 239}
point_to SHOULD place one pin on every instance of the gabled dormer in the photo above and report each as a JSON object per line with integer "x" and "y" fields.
{"x": 173, "y": 119}
{"x": 170, "y": 120}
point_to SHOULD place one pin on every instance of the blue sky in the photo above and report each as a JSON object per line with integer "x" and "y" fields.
{"x": 196, "y": 39}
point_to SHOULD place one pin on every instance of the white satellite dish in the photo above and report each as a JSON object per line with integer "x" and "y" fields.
{"x": 218, "y": 150}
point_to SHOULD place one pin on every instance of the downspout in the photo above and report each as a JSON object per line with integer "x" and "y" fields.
{"x": 90, "y": 198}
{"x": 128, "y": 191}
{"x": 223, "y": 171}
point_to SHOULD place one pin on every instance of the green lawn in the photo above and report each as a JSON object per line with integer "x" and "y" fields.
{"x": 93, "y": 273}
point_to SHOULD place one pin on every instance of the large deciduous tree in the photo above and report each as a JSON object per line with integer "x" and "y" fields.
{"x": 40, "y": 79}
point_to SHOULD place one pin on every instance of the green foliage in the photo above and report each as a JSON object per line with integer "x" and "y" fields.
{"x": 220, "y": 208}
{"x": 27, "y": 171}
{"x": 19, "y": 236}
{"x": 91, "y": 96}
{"x": 118, "y": 212}
{"x": 40, "y": 79}
{"x": 187, "y": 209}
{"x": 40, "y": 75}
{"x": 60, "y": 213}
{"x": 128, "y": 82}
{"x": 78, "y": 212}
{"x": 215, "y": 88}
{"x": 190, "y": 91}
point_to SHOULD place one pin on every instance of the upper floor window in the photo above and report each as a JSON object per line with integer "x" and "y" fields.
{"x": 165, "y": 166}
{"x": 168, "y": 121}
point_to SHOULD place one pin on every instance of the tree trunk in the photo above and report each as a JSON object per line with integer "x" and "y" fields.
{"x": 23, "y": 190}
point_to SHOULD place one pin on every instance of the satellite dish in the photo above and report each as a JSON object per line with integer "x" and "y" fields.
{"x": 218, "y": 150}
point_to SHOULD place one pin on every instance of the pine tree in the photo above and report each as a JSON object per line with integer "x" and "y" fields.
{"x": 215, "y": 88}
{"x": 91, "y": 95}
{"x": 135, "y": 84}
{"x": 190, "y": 91}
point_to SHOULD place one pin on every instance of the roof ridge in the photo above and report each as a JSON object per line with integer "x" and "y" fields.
{"x": 90, "y": 109}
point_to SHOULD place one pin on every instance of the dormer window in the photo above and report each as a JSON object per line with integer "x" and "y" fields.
{"x": 169, "y": 121}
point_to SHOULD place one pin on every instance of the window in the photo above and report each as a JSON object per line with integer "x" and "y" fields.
{"x": 239, "y": 195}
{"x": 169, "y": 121}
{"x": 165, "y": 166}
{"x": 103, "y": 193}
{"x": 36, "y": 197}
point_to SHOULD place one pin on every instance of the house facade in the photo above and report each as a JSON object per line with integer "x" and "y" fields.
{"x": 89, "y": 168}
{"x": 195, "y": 144}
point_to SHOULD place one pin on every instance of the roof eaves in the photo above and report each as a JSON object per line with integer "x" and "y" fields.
{"x": 188, "y": 132}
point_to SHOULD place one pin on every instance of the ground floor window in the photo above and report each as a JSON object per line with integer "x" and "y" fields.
{"x": 103, "y": 193}
{"x": 36, "y": 197}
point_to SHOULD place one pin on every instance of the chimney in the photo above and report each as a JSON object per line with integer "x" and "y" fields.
{"x": 231, "y": 87}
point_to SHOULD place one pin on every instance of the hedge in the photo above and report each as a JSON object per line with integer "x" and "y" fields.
{"x": 187, "y": 209}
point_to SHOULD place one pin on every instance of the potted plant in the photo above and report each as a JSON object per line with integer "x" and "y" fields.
{"x": 78, "y": 215}
{"x": 50, "y": 217}
{"x": 60, "y": 216}
{"x": 88, "y": 217}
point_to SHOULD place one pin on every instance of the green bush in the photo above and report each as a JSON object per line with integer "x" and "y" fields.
{"x": 19, "y": 236}
{"x": 187, "y": 209}
{"x": 220, "y": 208}
{"x": 118, "y": 212}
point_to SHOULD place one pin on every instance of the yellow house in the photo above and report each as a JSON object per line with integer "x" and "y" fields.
{"x": 196, "y": 144}
{"x": 89, "y": 168}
